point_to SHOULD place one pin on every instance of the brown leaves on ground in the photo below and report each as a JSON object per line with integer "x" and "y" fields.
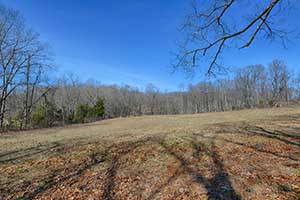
{"x": 245, "y": 160}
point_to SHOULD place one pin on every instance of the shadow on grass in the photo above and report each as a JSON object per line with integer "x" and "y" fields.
{"x": 292, "y": 138}
{"x": 218, "y": 187}
{"x": 58, "y": 177}
{"x": 171, "y": 179}
{"x": 122, "y": 150}
{"x": 273, "y": 134}
{"x": 57, "y": 147}
{"x": 26, "y": 153}
{"x": 263, "y": 151}
{"x": 55, "y": 178}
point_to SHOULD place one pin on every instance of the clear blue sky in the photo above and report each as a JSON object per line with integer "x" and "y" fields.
{"x": 129, "y": 42}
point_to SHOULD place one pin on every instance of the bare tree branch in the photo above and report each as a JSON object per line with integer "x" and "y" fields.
{"x": 208, "y": 32}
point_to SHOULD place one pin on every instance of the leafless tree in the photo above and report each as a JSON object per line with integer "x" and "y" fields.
{"x": 297, "y": 87}
{"x": 36, "y": 66}
{"x": 152, "y": 97}
{"x": 215, "y": 25}
{"x": 279, "y": 80}
{"x": 247, "y": 83}
{"x": 68, "y": 95}
{"x": 15, "y": 42}
{"x": 22, "y": 61}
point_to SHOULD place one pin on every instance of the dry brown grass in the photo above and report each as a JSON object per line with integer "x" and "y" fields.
{"x": 249, "y": 154}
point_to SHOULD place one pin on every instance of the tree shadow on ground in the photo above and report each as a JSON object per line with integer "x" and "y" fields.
{"x": 26, "y": 153}
{"x": 273, "y": 134}
{"x": 169, "y": 181}
{"x": 279, "y": 135}
{"x": 262, "y": 151}
{"x": 218, "y": 187}
{"x": 55, "y": 178}
{"x": 116, "y": 151}
{"x": 122, "y": 150}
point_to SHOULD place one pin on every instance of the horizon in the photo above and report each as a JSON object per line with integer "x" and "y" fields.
{"x": 86, "y": 41}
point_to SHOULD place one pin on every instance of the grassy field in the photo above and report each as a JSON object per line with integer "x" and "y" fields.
{"x": 249, "y": 154}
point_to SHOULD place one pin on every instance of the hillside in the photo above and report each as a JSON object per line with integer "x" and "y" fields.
{"x": 248, "y": 154}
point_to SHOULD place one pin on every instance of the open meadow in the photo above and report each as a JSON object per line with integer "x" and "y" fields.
{"x": 248, "y": 154}
{"x": 149, "y": 100}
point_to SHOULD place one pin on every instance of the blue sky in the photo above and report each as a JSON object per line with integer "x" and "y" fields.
{"x": 129, "y": 42}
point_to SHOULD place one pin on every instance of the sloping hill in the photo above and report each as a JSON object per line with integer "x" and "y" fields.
{"x": 249, "y": 154}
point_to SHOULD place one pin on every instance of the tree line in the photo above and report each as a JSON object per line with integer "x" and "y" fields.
{"x": 69, "y": 101}
{"x": 29, "y": 99}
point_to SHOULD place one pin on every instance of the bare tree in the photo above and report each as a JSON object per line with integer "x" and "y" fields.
{"x": 152, "y": 97}
{"x": 279, "y": 81}
{"x": 297, "y": 87}
{"x": 22, "y": 59}
{"x": 247, "y": 83}
{"x": 15, "y": 42}
{"x": 68, "y": 95}
{"x": 37, "y": 64}
{"x": 217, "y": 24}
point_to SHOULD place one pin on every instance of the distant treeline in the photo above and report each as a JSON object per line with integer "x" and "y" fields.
{"x": 28, "y": 99}
{"x": 69, "y": 101}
